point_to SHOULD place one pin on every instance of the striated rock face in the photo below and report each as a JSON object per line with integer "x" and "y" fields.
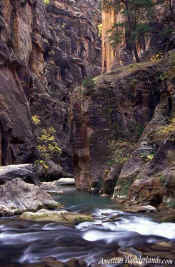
{"x": 123, "y": 129}
{"x": 75, "y": 45}
{"x": 45, "y": 50}
{"x": 110, "y": 53}
{"x": 108, "y": 116}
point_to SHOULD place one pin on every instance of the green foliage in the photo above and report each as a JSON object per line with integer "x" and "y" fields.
{"x": 115, "y": 34}
{"x": 121, "y": 157}
{"x": 88, "y": 83}
{"x": 106, "y": 4}
{"x": 147, "y": 156}
{"x": 162, "y": 179}
{"x": 124, "y": 186}
{"x": 121, "y": 152}
{"x": 138, "y": 15}
{"x": 139, "y": 130}
{"x": 171, "y": 204}
{"x": 163, "y": 76}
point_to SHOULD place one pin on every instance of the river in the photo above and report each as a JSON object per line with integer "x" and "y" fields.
{"x": 24, "y": 242}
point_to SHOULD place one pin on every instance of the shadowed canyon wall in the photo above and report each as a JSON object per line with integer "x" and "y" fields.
{"x": 45, "y": 50}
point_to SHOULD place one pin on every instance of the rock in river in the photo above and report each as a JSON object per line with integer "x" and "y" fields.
{"x": 56, "y": 216}
{"x": 18, "y": 196}
{"x": 66, "y": 181}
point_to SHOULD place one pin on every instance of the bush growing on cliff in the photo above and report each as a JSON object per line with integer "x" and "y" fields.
{"x": 167, "y": 131}
{"x": 35, "y": 119}
{"x": 46, "y": 2}
{"x": 88, "y": 83}
{"x": 47, "y": 145}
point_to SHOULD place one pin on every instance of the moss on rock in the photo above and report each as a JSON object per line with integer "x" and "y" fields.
{"x": 56, "y": 216}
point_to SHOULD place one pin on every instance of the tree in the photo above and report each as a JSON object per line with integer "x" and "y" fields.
{"x": 138, "y": 14}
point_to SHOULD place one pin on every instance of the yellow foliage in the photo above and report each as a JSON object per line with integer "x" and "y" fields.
{"x": 47, "y": 144}
{"x": 42, "y": 163}
{"x": 150, "y": 156}
{"x": 46, "y": 2}
{"x": 157, "y": 57}
{"x": 168, "y": 130}
{"x": 35, "y": 119}
{"x": 100, "y": 30}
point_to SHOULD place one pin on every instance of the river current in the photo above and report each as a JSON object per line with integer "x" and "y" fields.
{"x": 29, "y": 242}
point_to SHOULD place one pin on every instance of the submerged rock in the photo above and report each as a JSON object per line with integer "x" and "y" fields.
{"x": 18, "y": 196}
{"x": 56, "y": 216}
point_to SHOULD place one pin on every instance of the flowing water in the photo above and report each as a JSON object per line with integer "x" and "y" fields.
{"x": 29, "y": 242}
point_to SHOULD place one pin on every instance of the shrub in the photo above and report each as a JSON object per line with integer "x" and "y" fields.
{"x": 168, "y": 131}
{"x": 35, "y": 119}
{"x": 88, "y": 83}
{"x": 46, "y": 2}
{"x": 47, "y": 145}
{"x": 171, "y": 204}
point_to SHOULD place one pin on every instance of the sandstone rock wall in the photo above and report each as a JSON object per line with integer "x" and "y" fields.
{"x": 110, "y": 53}
{"x": 45, "y": 50}
{"x": 123, "y": 132}
{"x": 159, "y": 39}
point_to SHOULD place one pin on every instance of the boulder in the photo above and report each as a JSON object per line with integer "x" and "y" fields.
{"x": 18, "y": 196}
{"x": 24, "y": 171}
{"x": 51, "y": 187}
{"x": 138, "y": 208}
{"x": 55, "y": 216}
{"x": 66, "y": 181}
{"x": 54, "y": 171}
{"x": 58, "y": 186}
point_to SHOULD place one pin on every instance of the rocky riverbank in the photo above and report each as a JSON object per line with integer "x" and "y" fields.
{"x": 21, "y": 190}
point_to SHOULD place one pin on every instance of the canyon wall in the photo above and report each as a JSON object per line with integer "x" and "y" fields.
{"x": 123, "y": 132}
{"x": 45, "y": 50}
{"x": 116, "y": 50}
